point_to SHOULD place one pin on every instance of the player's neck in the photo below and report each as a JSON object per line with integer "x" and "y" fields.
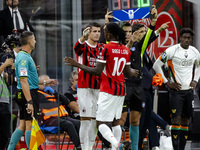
{"x": 91, "y": 42}
{"x": 27, "y": 49}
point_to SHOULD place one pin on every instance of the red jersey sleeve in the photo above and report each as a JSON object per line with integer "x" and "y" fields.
{"x": 79, "y": 47}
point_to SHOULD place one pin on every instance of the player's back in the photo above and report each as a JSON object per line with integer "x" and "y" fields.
{"x": 116, "y": 56}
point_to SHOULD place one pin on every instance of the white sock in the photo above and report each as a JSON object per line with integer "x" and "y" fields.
{"x": 83, "y": 133}
{"x": 92, "y": 133}
{"x": 108, "y": 135}
{"x": 117, "y": 132}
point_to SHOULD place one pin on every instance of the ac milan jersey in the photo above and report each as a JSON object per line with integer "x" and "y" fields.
{"x": 87, "y": 55}
{"x": 116, "y": 56}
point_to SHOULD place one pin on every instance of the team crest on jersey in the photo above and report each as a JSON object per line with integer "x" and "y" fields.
{"x": 23, "y": 72}
{"x": 23, "y": 63}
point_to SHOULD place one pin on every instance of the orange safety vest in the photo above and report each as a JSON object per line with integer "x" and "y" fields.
{"x": 53, "y": 112}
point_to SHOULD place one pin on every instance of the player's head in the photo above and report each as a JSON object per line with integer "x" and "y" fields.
{"x": 74, "y": 79}
{"x": 126, "y": 26}
{"x": 95, "y": 31}
{"x": 12, "y": 3}
{"x": 186, "y": 35}
{"x": 28, "y": 37}
{"x": 141, "y": 28}
{"x": 113, "y": 32}
{"x": 43, "y": 77}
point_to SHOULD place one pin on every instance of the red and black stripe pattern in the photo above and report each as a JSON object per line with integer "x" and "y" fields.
{"x": 173, "y": 7}
{"x": 87, "y": 55}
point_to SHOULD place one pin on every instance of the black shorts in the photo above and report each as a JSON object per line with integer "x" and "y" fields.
{"x": 181, "y": 103}
{"x": 22, "y": 102}
{"x": 125, "y": 106}
{"x": 135, "y": 98}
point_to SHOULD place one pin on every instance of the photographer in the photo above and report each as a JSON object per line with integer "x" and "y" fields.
{"x": 12, "y": 18}
{"x": 4, "y": 105}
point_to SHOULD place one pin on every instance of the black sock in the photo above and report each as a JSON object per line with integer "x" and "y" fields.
{"x": 183, "y": 137}
{"x": 175, "y": 136}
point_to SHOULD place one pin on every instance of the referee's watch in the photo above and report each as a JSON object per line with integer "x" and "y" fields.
{"x": 30, "y": 102}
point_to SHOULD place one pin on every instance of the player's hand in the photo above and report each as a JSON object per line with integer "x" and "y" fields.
{"x": 29, "y": 109}
{"x": 38, "y": 67}
{"x": 86, "y": 32}
{"x": 134, "y": 37}
{"x": 51, "y": 82}
{"x": 73, "y": 106}
{"x": 8, "y": 62}
{"x": 108, "y": 16}
{"x": 165, "y": 25}
{"x": 135, "y": 72}
{"x": 154, "y": 12}
{"x": 48, "y": 88}
{"x": 175, "y": 86}
{"x": 70, "y": 61}
{"x": 193, "y": 84}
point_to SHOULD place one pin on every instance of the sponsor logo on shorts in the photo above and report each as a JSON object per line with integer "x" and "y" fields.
{"x": 23, "y": 72}
{"x": 19, "y": 95}
{"x": 84, "y": 110}
{"x": 175, "y": 136}
{"x": 173, "y": 111}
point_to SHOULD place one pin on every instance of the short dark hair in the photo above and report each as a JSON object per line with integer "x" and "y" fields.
{"x": 24, "y": 37}
{"x": 94, "y": 24}
{"x": 137, "y": 26}
{"x": 186, "y": 30}
{"x": 125, "y": 24}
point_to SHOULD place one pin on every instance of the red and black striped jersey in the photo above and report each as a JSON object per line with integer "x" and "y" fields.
{"x": 116, "y": 56}
{"x": 87, "y": 54}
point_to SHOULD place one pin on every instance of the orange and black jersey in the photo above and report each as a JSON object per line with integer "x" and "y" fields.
{"x": 48, "y": 101}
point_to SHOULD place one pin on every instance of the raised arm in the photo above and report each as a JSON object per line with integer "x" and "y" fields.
{"x": 108, "y": 16}
{"x": 154, "y": 12}
{"x": 162, "y": 27}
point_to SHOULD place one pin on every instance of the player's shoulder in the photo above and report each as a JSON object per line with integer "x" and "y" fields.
{"x": 172, "y": 48}
{"x": 193, "y": 48}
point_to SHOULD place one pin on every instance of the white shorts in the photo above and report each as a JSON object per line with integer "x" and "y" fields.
{"x": 109, "y": 107}
{"x": 87, "y": 101}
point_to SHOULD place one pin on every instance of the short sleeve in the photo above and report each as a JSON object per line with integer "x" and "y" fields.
{"x": 166, "y": 55}
{"x": 23, "y": 67}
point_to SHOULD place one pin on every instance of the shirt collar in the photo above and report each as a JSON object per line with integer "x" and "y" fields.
{"x": 12, "y": 10}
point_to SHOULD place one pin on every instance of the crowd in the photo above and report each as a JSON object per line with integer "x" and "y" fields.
{"x": 114, "y": 78}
